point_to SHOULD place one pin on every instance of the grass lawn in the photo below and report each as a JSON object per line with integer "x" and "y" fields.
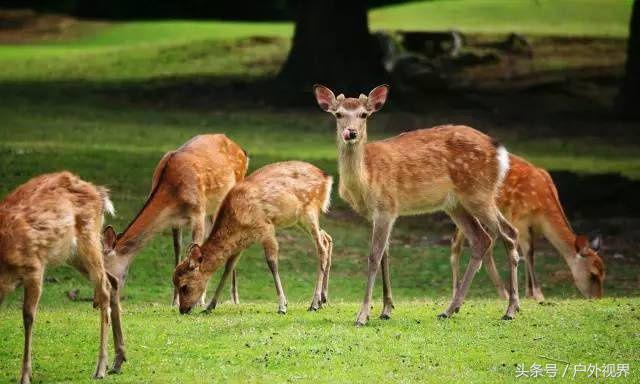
{"x": 57, "y": 112}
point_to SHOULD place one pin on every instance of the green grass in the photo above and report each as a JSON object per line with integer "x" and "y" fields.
{"x": 595, "y": 18}
{"x": 63, "y": 107}
{"x": 250, "y": 343}
{"x": 143, "y": 49}
{"x": 120, "y": 148}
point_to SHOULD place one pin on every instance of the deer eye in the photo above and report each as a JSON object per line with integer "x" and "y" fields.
{"x": 184, "y": 290}
{"x": 338, "y": 115}
{"x": 363, "y": 115}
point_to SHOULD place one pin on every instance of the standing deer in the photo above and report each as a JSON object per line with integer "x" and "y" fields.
{"x": 451, "y": 168}
{"x": 51, "y": 219}
{"x": 275, "y": 196}
{"x": 188, "y": 184}
{"x": 529, "y": 199}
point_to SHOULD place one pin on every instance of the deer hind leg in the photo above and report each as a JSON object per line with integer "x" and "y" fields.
{"x": 382, "y": 226}
{"x": 90, "y": 255}
{"x": 270, "y": 245}
{"x": 480, "y": 242}
{"x": 229, "y": 267}
{"x": 328, "y": 244}
{"x": 490, "y": 266}
{"x": 312, "y": 225}
{"x": 509, "y": 235}
{"x": 32, "y": 292}
{"x": 176, "y": 233}
{"x": 235, "y": 298}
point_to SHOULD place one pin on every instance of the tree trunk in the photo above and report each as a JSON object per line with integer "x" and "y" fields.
{"x": 628, "y": 102}
{"x": 332, "y": 46}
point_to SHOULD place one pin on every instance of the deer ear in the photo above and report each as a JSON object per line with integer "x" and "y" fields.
{"x": 109, "y": 238}
{"x": 581, "y": 244}
{"x": 194, "y": 254}
{"x": 325, "y": 98}
{"x": 596, "y": 243}
{"x": 377, "y": 97}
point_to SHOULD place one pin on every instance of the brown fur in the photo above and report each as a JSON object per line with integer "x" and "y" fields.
{"x": 451, "y": 168}
{"x": 275, "y": 196}
{"x": 188, "y": 184}
{"x": 529, "y": 199}
{"x": 51, "y": 219}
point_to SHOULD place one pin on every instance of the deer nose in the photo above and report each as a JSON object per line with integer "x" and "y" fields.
{"x": 349, "y": 134}
{"x": 184, "y": 311}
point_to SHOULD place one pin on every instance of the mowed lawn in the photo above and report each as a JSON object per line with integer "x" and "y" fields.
{"x": 57, "y": 111}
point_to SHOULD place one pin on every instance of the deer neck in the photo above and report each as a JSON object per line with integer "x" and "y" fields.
{"x": 131, "y": 240}
{"x": 351, "y": 165}
{"x": 563, "y": 240}
{"x": 128, "y": 245}
{"x": 224, "y": 242}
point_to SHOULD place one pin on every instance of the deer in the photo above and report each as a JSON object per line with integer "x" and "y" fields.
{"x": 276, "y": 196}
{"x": 52, "y": 219}
{"x": 529, "y": 199}
{"x": 188, "y": 184}
{"x": 450, "y": 168}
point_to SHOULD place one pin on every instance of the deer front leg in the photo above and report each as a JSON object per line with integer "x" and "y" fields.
{"x": 229, "y": 267}
{"x": 457, "y": 244}
{"x": 382, "y": 225}
{"x": 533, "y": 288}
{"x": 177, "y": 251}
{"x": 235, "y": 299}
{"x": 103, "y": 302}
{"x": 32, "y": 291}
{"x": 387, "y": 298}
{"x": 197, "y": 236}
{"x": 270, "y": 245}
{"x": 116, "y": 326}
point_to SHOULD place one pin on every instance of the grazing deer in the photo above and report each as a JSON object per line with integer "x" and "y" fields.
{"x": 51, "y": 219}
{"x": 451, "y": 168}
{"x": 188, "y": 184}
{"x": 275, "y": 196}
{"x": 529, "y": 199}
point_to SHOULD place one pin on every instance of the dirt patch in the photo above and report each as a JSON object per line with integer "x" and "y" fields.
{"x": 27, "y": 26}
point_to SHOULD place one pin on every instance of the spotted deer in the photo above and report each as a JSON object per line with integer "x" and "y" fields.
{"x": 529, "y": 200}
{"x": 51, "y": 219}
{"x": 451, "y": 168}
{"x": 275, "y": 196}
{"x": 188, "y": 184}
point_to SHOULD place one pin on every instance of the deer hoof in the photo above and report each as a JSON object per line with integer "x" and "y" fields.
{"x": 443, "y": 316}
{"x": 385, "y": 316}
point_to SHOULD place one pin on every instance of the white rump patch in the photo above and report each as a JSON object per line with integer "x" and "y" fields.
{"x": 327, "y": 196}
{"x": 503, "y": 163}
{"x": 108, "y": 206}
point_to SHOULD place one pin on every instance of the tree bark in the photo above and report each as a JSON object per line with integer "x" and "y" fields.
{"x": 628, "y": 103}
{"x": 332, "y": 46}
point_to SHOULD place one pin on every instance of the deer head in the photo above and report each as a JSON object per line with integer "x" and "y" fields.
{"x": 351, "y": 113}
{"x": 588, "y": 268}
{"x": 189, "y": 279}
